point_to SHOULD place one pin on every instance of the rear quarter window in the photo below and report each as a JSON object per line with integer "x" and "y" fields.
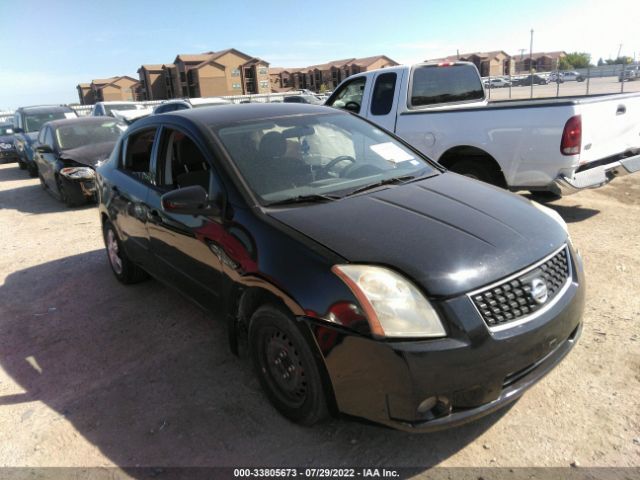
{"x": 432, "y": 85}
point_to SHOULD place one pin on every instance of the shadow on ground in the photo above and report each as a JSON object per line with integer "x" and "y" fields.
{"x": 30, "y": 198}
{"x": 147, "y": 378}
{"x": 570, "y": 213}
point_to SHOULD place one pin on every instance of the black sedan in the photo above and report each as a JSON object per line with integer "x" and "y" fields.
{"x": 364, "y": 278}
{"x": 67, "y": 151}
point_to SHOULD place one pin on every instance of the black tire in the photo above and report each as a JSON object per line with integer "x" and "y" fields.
{"x": 42, "y": 182}
{"x": 32, "y": 169}
{"x": 22, "y": 165}
{"x": 477, "y": 169}
{"x": 544, "y": 196}
{"x": 127, "y": 272}
{"x": 68, "y": 197}
{"x": 286, "y": 367}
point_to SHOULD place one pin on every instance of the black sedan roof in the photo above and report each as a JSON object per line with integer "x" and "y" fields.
{"x": 80, "y": 120}
{"x": 226, "y": 114}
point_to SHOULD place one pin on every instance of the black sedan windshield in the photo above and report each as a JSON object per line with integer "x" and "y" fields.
{"x": 80, "y": 134}
{"x": 317, "y": 156}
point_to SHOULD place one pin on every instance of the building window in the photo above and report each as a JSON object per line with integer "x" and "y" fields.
{"x": 236, "y": 86}
{"x": 183, "y": 77}
{"x": 264, "y": 83}
{"x": 263, "y": 71}
{"x": 235, "y": 72}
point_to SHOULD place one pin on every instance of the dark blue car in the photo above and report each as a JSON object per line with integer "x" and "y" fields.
{"x": 7, "y": 144}
{"x": 27, "y": 122}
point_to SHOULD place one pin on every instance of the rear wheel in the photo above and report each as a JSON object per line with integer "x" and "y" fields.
{"x": 286, "y": 367}
{"x": 32, "y": 169}
{"x": 22, "y": 165}
{"x": 124, "y": 269}
{"x": 478, "y": 170}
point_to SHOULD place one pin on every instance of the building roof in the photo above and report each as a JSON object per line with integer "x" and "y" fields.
{"x": 84, "y": 85}
{"x": 151, "y": 67}
{"x": 453, "y": 58}
{"x": 277, "y": 70}
{"x": 366, "y": 61}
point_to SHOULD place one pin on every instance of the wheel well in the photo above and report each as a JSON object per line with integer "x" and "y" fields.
{"x": 480, "y": 158}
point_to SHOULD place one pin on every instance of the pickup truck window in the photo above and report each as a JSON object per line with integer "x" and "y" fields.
{"x": 434, "y": 84}
{"x": 383, "y": 91}
{"x": 349, "y": 95}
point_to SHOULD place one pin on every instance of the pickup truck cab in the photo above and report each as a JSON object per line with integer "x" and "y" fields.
{"x": 557, "y": 145}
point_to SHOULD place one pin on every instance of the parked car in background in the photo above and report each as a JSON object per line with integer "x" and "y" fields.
{"x": 67, "y": 152}
{"x": 310, "y": 99}
{"x": 8, "y": 151}
{"x": 26, "y": 124}
{"x": 188, "y": 103}
{"x": 558, "y": 145}
{"x": 106, "y": 109}
{"x": 365, "y": 278}
{"x": 631, "y": 72}
{"x": 569, "y": 76}
{"x": 496, "y": 82}
{"x": 527, "y": 79}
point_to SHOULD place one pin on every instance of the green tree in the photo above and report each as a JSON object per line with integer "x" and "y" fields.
{"x": 324, "y": 88}
{"x": 600, "y": 62}
{"x": 574, "y": 60}
{"x": 619, "y": 61}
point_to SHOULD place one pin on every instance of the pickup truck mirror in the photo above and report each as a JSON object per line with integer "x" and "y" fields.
{"x": 44, "y": 149}
{"x": 192, "y": 200}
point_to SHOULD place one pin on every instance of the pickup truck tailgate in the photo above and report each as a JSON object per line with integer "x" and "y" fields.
{"x": 609, "y": 127}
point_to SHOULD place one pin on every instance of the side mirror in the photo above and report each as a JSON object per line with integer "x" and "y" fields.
{"x": 191, "y": 200}
{"x": 18, "y": 130}
{"x": 44, "y": 149}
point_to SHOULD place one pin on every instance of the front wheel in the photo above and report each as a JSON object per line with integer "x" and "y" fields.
{"x": 123, "y": 268}
{"x": 286, "y": 367}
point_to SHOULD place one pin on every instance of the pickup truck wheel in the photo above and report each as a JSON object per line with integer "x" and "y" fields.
{"x": 286, "y": 367}
{"x": 477, "y": 170}
{"x": 124, "y": 269}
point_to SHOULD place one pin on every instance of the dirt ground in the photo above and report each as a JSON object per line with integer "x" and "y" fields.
{"x": 93, "y": 373}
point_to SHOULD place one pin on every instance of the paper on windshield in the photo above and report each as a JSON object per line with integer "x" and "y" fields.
{"x": 391, "y": 152}
{"x": 70, "y": 115}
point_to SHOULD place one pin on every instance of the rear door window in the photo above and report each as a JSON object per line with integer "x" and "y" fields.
{"x": 383, "y": 93}
{"x": 433, "y": 84}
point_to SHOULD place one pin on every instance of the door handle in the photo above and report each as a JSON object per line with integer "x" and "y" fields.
{"x": 621, "y": 110}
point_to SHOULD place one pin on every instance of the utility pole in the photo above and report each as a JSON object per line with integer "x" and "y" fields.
{"x": 531, "y": 62}
{"x": 619, "y": 51}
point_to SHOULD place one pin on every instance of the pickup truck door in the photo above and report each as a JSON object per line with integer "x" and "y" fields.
{"x": 383, "y": 103}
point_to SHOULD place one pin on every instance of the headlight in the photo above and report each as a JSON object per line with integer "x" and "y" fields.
{"x": 78, "y": 173}
{"x": 393, "y": 305}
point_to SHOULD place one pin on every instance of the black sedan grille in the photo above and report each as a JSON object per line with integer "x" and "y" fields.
{"x": 513, "y": 300}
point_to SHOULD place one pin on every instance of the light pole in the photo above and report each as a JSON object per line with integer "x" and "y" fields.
{"x": 531, "y": 62}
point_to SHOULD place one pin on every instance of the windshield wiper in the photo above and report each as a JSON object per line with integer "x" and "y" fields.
{"x": 386, "y": 181}
{"x": 312, "y": 198}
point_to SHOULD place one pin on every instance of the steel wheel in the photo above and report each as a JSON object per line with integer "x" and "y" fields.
{"x": 284, "y": 367}
{"x": 113, "y": 252}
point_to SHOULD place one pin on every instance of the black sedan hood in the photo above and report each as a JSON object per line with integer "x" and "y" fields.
{"x": 448, "y": 233}
{"x": 7, "y": 139}
{"x": 88, "y": 155}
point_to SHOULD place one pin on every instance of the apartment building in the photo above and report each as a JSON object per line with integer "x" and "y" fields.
{"x": 327, "y": 75}
{"x": 208, "y": 74}
{"x": 540, "y": 61}
{"x": 109, "y": 89}
{"x": 495, "y": 63}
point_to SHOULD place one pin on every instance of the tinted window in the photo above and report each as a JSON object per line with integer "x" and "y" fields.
{"x": 6, "y": 130}
{"x": 292, "y": 100}
{"x": 120, "y": 107}
{"x": 137, "y": 158}
{"x": 383, "y": 92}
{"x": 349, "y": 94}
{"x": 434, "y": 84}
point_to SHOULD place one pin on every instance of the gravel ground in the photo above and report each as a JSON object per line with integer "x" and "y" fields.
{"x": 93, "y": 373}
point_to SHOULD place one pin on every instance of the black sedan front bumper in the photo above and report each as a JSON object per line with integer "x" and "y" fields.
{"x": 429, "y": 385}
{"x": 7, "y": 156}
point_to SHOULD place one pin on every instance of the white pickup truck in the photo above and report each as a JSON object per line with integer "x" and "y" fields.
{"x": 558, "y": 145}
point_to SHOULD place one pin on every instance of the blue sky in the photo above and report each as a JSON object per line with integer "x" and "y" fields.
{"x": 49, "y": 47}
